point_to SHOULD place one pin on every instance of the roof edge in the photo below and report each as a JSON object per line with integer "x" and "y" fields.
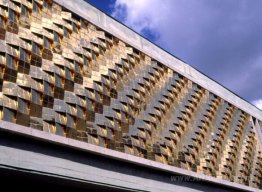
{"x": 129, "y": 36}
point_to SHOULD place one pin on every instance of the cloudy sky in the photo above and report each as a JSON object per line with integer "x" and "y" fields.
{"x": 221, "y": 38}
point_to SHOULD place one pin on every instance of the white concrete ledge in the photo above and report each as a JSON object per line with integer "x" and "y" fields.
{"x": 51, "y": 138}
{"x": 125, "y": 34}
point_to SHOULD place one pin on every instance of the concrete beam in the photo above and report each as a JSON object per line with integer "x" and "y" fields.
{"x": 11, "y": 155}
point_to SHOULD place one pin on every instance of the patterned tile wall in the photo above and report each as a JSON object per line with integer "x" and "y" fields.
{"x": 61, "y": 74}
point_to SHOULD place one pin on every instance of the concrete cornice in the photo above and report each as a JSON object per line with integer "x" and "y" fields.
{"x": 103, "y": 21}
{"x": 86, "y": 147}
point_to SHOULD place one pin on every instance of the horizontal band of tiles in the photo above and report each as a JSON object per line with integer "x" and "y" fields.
{"x": 62, "y": 74}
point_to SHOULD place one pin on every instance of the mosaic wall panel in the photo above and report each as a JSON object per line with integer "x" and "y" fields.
{"x": 61, "y": 74}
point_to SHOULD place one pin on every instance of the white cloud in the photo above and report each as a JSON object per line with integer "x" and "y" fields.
{"x": 170, "y": 20}
{"x": 220, "y": 38}
{"x": 258, "y": 103}
{"x": 139, "y": 14}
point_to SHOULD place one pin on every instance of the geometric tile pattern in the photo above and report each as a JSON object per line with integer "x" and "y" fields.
{"x": 61, "y": 74}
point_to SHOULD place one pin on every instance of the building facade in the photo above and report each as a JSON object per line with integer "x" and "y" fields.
{"x": 71, "y": 73}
